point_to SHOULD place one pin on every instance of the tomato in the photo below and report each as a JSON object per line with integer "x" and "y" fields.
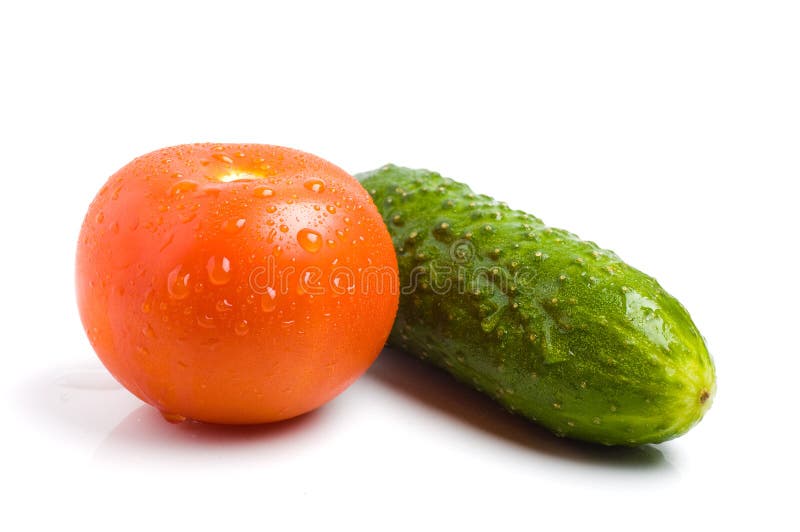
{"x": 235, "y": 283}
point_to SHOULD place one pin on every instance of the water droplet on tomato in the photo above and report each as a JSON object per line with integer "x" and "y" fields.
{"x": 315, "y": 184}
{"x": 233, "y": 225}
{"x": 331, "y": 209}
{"x": 147, "y": 330}
{"x": 271, "y": 208}
{"x": 173, "y": 418}
{"x": 344, "y": 282}
{"x": 241, "y": 328}
{"x": 147, "y": 305}
{"x": 115, "y": 228}
{"x": 169, "y": 241}
{"x": 284, "y": 228}
{"x": 309, "y": 240}
{"x": 263, "y": 192}
{"x": 223, "y": 158}
{"x": 223, "y": 305}
{"x": 206, "y": 321}
{"x": 347, "y": 220}
{"x": 219, "y": 270}
{"x": 268, "y": 300}
{"x": 178, "y": 283}
{"x": 182, "y": 186}
{"x": 99, "y": 217}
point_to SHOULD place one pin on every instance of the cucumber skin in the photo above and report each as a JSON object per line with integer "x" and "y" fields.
{"x": 553, "y": 327}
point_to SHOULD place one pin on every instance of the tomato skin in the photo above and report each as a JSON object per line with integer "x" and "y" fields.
{"x": 235, "y": 283}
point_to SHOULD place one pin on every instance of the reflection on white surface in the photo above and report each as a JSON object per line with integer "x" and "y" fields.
{"x": 144, "y": 436}
{"x": 85, "y": 403}
{"x": 82, "y": 400}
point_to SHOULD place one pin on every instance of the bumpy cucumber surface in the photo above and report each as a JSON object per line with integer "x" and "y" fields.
{"x": 553, "y": 327}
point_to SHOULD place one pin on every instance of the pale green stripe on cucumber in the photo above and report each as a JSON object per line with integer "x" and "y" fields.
{"x": 553, "y": 327}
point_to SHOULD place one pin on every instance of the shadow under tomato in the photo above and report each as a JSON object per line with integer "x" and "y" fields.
{"x": 145, "y": 437}
{"x": 438, "y": 390}
{"x": 145, "y": 426}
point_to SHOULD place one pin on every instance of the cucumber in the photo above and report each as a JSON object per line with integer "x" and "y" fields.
{"x": 553, "y": 327}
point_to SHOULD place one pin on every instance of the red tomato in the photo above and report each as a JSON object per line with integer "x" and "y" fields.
{"x": 235, "y": 283}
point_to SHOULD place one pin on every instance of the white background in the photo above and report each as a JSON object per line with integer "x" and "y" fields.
{"x": 668, "y": 132}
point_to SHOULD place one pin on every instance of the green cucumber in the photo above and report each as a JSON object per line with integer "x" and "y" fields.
{"x": 553, "y": 327}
